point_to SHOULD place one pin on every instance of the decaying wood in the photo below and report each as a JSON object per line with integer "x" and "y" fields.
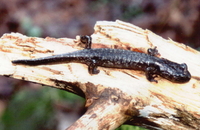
{"x": 114, "y": 96}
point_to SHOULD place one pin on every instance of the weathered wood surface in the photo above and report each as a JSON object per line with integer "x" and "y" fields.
{"x": 113, "y": 96}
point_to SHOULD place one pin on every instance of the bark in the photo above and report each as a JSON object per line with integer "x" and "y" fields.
{"x": 114, "y": 96}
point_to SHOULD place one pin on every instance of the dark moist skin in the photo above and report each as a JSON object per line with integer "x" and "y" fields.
{"x": 118, "y": 58}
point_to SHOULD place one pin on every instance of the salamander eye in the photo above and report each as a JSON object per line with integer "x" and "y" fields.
{"x": 184, "y": 66}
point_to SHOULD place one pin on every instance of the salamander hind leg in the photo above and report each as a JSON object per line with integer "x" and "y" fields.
{"x": 87, "y": 40}
{"x": 92, "y": 67}
{"x": 151, "y": 74}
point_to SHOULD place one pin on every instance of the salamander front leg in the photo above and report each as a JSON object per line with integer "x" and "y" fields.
{"x": 151, "y": 74}
{"x": 92, "y": 67}
{"x": 153, "y": 51}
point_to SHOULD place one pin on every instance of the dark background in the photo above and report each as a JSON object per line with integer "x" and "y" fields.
{"x": 25, "y": 105}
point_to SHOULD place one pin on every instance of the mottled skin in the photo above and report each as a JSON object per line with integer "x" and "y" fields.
{"x": 118, "y": 58}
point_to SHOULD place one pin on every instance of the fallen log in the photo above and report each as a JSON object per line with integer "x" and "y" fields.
{"x": 114, "y": 96}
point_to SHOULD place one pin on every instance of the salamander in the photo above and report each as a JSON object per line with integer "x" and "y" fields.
{"x": 152, "y": 65}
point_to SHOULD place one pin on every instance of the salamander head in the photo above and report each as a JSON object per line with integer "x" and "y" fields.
{"x": 176, "y": 73}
